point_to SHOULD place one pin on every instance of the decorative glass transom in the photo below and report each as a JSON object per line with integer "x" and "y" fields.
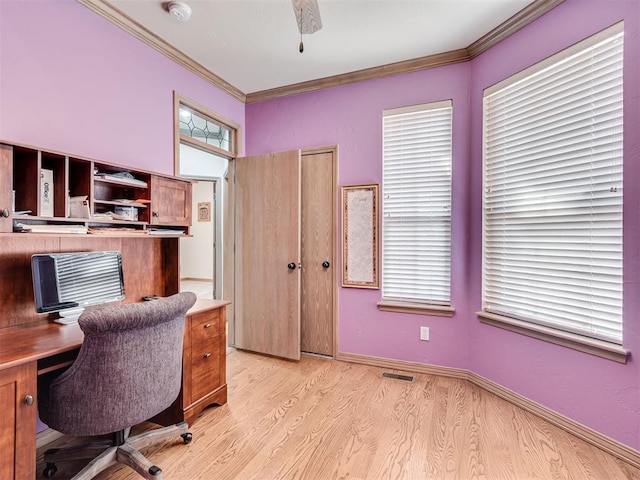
{"x": 205, "y": 130}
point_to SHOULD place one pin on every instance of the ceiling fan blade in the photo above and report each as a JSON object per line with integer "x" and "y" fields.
{"x": 307, "y": 16}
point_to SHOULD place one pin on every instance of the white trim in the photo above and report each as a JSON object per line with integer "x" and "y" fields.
{"x": 589, "y": 435}
{"x": 558, "y": 57}
{"x": 418, "y": 108}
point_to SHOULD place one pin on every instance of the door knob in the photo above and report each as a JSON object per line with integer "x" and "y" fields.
{"x": 28, "y": 399}
{"x": 325, "y": 264}
{"x": 4, "y": 213}
{"x": 291, "y": 266}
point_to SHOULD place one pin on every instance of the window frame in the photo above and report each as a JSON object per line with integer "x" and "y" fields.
{"x": 435, "y": 307}
{"x": 201, "y": 110}
{"x": 542, "y": 331}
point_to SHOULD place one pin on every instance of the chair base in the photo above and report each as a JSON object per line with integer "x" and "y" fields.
{"x": 106, "y": 454}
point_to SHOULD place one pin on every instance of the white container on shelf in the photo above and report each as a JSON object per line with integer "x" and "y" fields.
{"x": 46, "y": 193}
{"x": 126, "y": 213}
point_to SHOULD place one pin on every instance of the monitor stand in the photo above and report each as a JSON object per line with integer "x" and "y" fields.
{"x": 69, "y": 315}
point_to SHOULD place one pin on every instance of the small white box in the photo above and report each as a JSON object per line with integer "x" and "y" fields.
{"x": 46, "y": 193}
{"x": 126, "y": 213}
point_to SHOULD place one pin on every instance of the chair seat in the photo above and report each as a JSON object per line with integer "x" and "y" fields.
{"x": 128, "y": 370}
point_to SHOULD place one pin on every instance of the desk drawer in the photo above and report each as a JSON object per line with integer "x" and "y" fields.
{"x": 205, "y": 327}
{"x": 205, "y": 368}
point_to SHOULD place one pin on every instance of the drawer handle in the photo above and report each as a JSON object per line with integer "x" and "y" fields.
{"x": 28, "y": 399}
{"x": 207, "y": 325}
{"x": 207, "y": 355}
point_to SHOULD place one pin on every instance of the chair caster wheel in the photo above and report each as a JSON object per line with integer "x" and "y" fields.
{"x": 187, "y": 437}
{"x": 50, "y": 470}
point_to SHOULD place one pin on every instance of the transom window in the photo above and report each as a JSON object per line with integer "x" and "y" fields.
{"x": 199, "y": 127}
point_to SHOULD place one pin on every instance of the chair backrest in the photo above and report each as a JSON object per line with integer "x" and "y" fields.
{"x": 129, "y": 367}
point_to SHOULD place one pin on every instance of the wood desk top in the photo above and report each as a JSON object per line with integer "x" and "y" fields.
{"x": 34, "y": 341}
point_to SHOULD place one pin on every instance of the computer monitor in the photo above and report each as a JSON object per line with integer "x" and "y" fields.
{"x": 68, "y": 282}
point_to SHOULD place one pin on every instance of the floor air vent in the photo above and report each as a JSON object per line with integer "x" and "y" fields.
{"x": 406, "y": 378}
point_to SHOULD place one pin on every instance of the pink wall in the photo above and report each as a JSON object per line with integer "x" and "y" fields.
{"x": 599, "y": 393}
{"x": 351, "y": 117}
{"x": 71, "y": 81}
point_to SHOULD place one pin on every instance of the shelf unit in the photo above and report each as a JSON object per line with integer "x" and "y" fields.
{"x": 150, "y": 266}
{"x": 152, "y": 200}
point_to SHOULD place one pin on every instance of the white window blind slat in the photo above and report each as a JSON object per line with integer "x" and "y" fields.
{"x": 552, "y": 202}
{"x": 92, "y": 278}
{"x": 416, "y": 205}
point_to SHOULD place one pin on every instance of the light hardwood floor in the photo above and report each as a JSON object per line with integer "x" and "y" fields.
{"x": 202, "y": 288}
{"x": 323, "y": 419}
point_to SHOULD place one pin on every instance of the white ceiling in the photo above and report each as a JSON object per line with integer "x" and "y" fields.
{"x": 253, "y": 44}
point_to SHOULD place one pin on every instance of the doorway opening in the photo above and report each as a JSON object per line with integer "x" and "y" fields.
{"x": 199, "y": 252}
{"x": 204, "y": 145}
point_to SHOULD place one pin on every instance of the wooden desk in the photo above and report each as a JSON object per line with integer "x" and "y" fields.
{"x": 36, "y": 348}
{"x": 20, "y": 350}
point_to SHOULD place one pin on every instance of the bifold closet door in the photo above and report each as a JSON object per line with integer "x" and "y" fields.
{"x": 267, "y": 254}
{"x": 318, "y": 271}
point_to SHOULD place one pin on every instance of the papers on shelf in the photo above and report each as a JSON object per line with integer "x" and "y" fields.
{"x": 132, "y": 203}
{"x": 165, "y": 231}
{"x": 76, "y": 229}
{"x": 122, "y": 177}
{"x": 79, "y": 207}
{"x": 22, "y": 213}
{"x": 117, "y": 231}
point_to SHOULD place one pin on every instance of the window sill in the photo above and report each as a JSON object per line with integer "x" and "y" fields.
{"x": 416, "y": 308}
{"x": 592, "y": 346}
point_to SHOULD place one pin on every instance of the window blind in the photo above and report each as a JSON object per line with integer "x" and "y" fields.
{"x": 91, "y": 278}
{"x": 552, "y": 240}
{"x": 416, "y": 204}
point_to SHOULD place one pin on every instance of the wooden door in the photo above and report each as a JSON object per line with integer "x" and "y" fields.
{"x": 170, "y": 201}
{"x": 6, "y": 177}
{"x": 317, "y": 248}
{"x": 267, "y": 254}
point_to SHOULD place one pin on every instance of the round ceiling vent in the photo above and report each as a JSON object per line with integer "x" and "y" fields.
{"x": 179, "y": 10}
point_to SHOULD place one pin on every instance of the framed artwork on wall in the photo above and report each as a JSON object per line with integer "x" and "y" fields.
{"x": 360, "y": 244}
{"x": 204, "y": 211}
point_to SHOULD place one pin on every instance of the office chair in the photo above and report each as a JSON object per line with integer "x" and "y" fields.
{"x": 129, "y": 369}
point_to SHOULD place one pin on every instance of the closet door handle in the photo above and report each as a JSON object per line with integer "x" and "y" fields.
{"x": 325, "y": 264}
{"x": 28, "y": 399}
{"x": 4, "y": 213}
{"x": 291, "y": 266}
{"x": 207, "y": 355}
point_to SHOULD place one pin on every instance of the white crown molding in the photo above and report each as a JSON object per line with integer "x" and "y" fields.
{"x": 520, "y": 20}
{"x": 120, "y": 19}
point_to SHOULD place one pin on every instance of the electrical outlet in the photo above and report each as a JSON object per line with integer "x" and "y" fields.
{"x": 424, "y": 333}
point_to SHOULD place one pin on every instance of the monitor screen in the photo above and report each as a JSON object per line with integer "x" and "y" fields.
{"x": 63, "y": 281}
